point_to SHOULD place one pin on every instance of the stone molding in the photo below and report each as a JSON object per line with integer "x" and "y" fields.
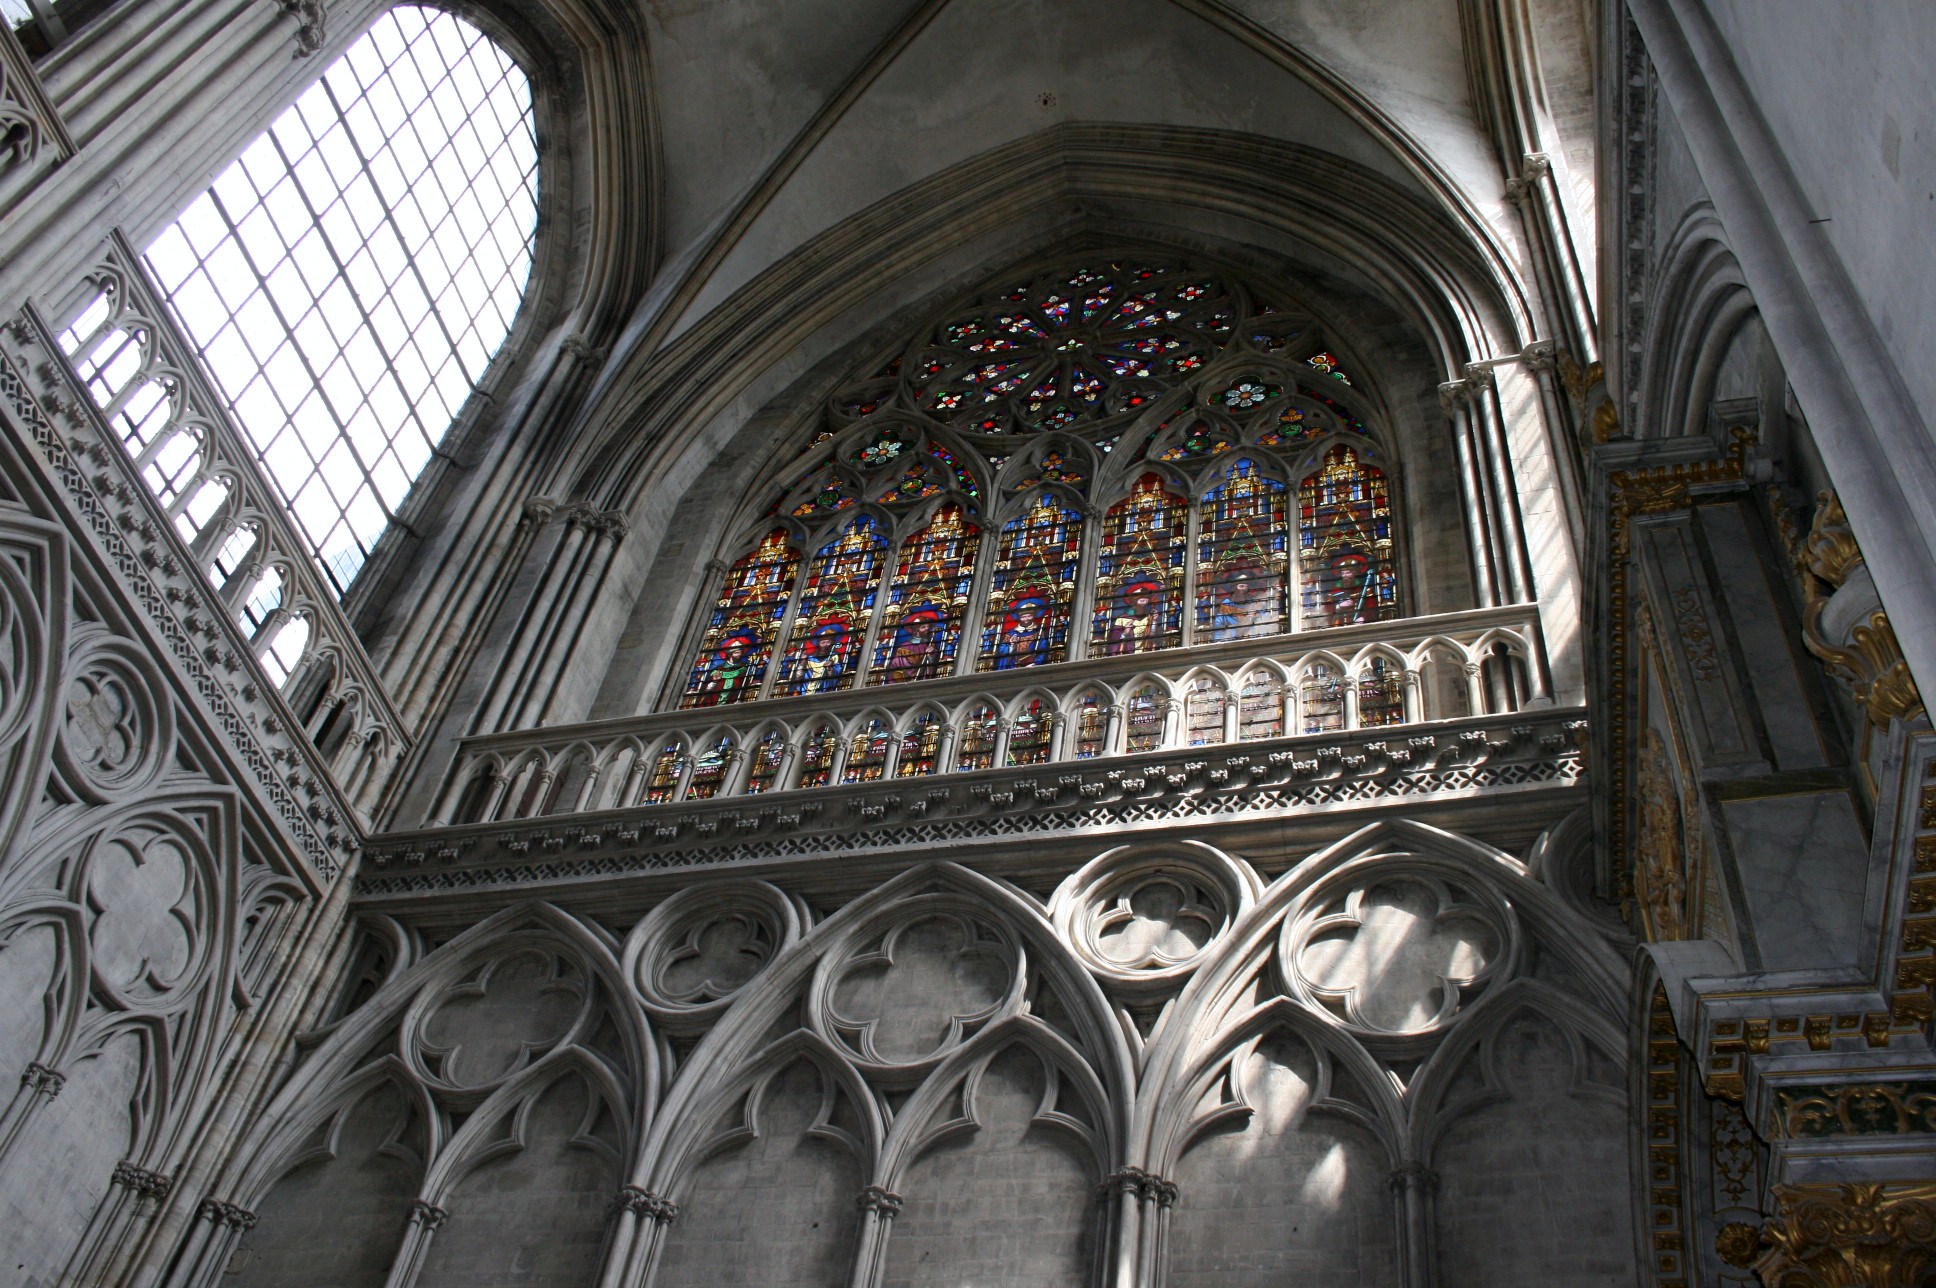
{"x": 1507, "y": 755}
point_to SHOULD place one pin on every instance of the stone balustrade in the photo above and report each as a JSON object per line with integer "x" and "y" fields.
{"x": 1367, "y": 676}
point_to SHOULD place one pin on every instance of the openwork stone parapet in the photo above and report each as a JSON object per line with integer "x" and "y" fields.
{"x": 79, "y": 450}
{"x": 1523, "y": 757}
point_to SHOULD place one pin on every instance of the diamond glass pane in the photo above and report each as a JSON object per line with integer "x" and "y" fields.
{"x": 347, "y": 280}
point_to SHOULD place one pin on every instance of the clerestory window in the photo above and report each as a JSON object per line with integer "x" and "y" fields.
{"x": 1107, "y": 459}
{"x": 346, "y": 283}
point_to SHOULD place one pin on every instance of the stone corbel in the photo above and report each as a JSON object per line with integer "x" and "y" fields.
{"x": 1844, "y": 623}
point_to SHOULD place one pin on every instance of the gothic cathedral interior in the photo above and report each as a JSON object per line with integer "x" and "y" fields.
{"x": 967, "y": 643}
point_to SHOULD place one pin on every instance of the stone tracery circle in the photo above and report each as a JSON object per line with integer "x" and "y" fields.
{"x": 1143, "y": 918}
{"x": 117, "y": 726}
{"x": 23, "y": 659}
{"x": 544, "y": 1000}
{"x": 150, "y": 912}
{"x": 692, "y": 955}
{"x": 906, "y": 988}
{"x": 1394, "y": 950}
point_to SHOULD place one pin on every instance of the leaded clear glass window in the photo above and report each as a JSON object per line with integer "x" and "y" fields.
{"x": 347, "y": 281}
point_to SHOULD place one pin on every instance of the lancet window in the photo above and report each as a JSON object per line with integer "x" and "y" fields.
{"x": 1108, "y": 459}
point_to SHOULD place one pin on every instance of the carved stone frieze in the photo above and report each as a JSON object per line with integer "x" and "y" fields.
{"x": 1531, "y": 752}
{"x": 1663, "y": 847}
{"x": 1633, "y": 493}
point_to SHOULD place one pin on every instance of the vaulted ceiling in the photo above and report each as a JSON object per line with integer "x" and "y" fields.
{"x": 778, "y": 119}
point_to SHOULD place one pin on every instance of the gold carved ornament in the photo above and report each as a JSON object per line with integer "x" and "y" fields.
{"x": 1844, "y": 1236}
{"x": 1871, "y": 660}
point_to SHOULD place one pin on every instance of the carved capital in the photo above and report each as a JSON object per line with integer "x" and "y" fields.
{"x": 1147, "y": 1186}
{"x": 1455, "y": 395}
{"x": 1850, "y": 1236}
{"x": 228, "y": 1215}
{"x": 43, "y": 1079}
{"x": 1540, "y": 356}
{"x": 310, "y": 18}
{"x": 1414, "y": 1176}
{"x": 644, "y": 1203}
{"x": 428, "y": 1214}
{"x": 144, "y": 1183}
{"x": 580, "y": 347}
{"x": 878, "y": 1198}
{"x": 1533, "y": 171}
{"x": 1844, "y": 623}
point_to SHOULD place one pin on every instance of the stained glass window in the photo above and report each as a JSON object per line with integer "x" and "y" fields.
{"x": 769, "y": 757}
{"x": 1027, "y": 621}
{"x": 867, "y": 752}
{"x": 738, "y": 643}
{"x": 1092, "y": 725}
{"x": 1381, "y": 694}
{"x": 1241, "y": 556}
{"x": 817, "y": 752}
{"x": 831, "y": 615}
{"x": 1071, "y": 346}
{"x": 1144, "y": 714}
{"x": 1139, "y": 583}
{"x": 709, "y": 771}
{"x": 920, "y": 747}
{"x": 926, "y": 599}
{"x": 1260, "y": 707}
{"x": 1328, "y": 364}
{"x": 1345, "y": 543}
{"x": 663, "y": 783}
{"x": 1201, "y": 441}
{"x": 1203, "y": 712}
{"x": 979, "y": 733}
{"x": 1029, "y": 734}
{"x": 1320, "y": 699}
